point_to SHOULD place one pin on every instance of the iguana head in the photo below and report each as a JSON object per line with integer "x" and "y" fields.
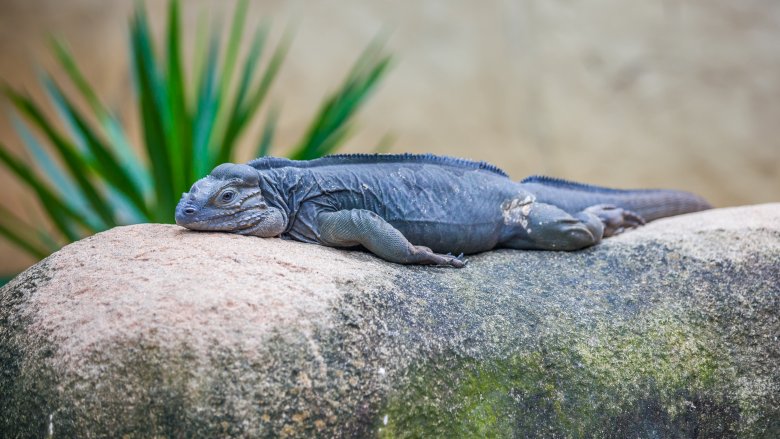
{"x": 230, "y": 200}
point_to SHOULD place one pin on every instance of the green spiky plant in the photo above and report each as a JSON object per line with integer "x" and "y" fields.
{"x": 88, "y": 178}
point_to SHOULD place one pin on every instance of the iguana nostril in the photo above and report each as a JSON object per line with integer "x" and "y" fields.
{"x": 189, "y": 210}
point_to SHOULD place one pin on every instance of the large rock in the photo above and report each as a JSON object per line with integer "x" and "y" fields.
{"x": 151, "y": 330}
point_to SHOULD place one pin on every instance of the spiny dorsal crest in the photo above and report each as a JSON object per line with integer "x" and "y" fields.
{"x": 361, "y": 159}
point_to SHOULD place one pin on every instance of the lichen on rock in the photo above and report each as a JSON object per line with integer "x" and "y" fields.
{"x": 670, "y": 330}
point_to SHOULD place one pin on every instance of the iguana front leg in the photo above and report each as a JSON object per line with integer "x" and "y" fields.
{"x": 346, "y": 228}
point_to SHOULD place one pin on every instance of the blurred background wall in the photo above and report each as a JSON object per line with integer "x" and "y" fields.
{"x": 666, "y": 93}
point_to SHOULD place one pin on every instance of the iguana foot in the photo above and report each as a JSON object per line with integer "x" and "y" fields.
{"x": 616, "y": 220}
{"x": 425, "y": 255}
{"x": 458, "y": 261}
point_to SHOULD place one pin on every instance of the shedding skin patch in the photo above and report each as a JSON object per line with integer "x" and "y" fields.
{"x": 516, "y": 210}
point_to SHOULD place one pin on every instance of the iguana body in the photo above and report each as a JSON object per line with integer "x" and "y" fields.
{"x": 416, "y": 208}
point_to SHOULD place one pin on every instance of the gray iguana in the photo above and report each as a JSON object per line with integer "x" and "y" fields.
{"x": 416, "y": 209}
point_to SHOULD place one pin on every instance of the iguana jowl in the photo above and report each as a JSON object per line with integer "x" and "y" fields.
{"x": 416, "y": 209}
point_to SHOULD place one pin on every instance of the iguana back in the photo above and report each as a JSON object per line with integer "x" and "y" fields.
{"x": 264, "y": 163}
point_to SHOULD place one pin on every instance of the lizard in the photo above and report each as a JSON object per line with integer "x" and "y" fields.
{"x": 416, "y": 208}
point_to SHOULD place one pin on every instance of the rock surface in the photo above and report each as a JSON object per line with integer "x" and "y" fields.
{"x": 671, "y": 330}
{"x": 673, "y": 93}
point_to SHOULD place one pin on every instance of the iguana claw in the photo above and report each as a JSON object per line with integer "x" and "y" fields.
{"x": 455, "y": 261}
{"x": 616, "y": 220}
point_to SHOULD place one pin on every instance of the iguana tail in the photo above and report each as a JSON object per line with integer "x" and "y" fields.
{"x": 651, "y": 204}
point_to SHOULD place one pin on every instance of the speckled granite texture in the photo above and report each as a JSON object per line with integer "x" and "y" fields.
{"x": 671, "y": 330}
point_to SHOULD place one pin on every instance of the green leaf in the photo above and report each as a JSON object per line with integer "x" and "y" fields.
{"x": 226, "y": 74}
{"x": 331, "y": 126}
{"x": 180, "y": 133}
{"x": 64, "y": 217}
{"x": 244, "y": 114}
{"x": 105, "y": 163}
{"x": 202, "y": 41}
{"x": 113, "y": 129}
{"x": 271, "y": 70}
{"x": 385, "y": 142}
{"x": 269, "y": 129}
{"x": 76, "y": 164}
{"x": 128, "y": 160}
{"x": 207, "y": 105}
{"x": 249, "y": 70}
{"x": 69, "y": 64}
{"x": 234, "y": 41}
{"x": 5, "y": 279}
{"x": 53, "y": 175}
{"x": 228, "y": 139}
{"x": 93, "y": 178}
{"x": 153, "y": 114}
{"x": 46, "y": 238}
{"x": 336, "y": 137}
{"x": 20, "y": 234}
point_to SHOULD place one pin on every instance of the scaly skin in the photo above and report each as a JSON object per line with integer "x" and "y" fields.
{"x": 416, "y": 209}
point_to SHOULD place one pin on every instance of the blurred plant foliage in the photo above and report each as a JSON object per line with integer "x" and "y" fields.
{"x": 88, "y": 178}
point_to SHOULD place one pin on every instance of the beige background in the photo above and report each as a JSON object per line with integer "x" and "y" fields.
{"x": 665, "y": 93}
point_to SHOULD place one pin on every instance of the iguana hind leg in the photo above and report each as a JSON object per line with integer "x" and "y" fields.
{"x": 547, "y": 227}
{"x": 346, "y": 228}
{"x": 615, "y": 219}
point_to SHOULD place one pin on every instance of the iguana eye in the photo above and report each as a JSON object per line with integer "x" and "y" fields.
{"x": 227, "y": 196}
